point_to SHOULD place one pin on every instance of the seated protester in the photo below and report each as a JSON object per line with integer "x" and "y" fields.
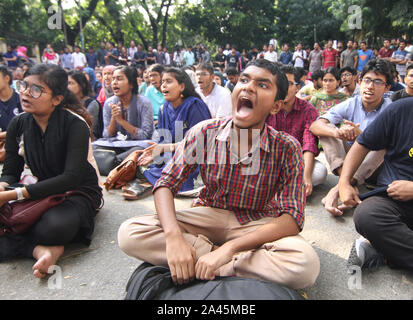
{"x": 396, "y": 86}
{"x": 408, "y": 91}
{"x": 307, "y": 92}
{"x": 247, "y": 218}
{"x": 295, "y": 118}
{"x": 217, "y": 98}
{"x": 232, "y": 76}
{"x": 219, "y": 79}
{"x": 58, "y": 157}
{"x": 80, "y": 87}
{"x": 127, "y": 116}
{"x": 356, "y": 113}
{"x": 384, "y": 220}
{"x": 183, "y": 109}
{"x": 106, "y": 91}
{"x": 9, "y": 101}
{"x": 98, "y": 83}
{"x": 153, "y": 92}
{"x": 329, "y": 96}
{"x": 145, "y": 83}
{"x": 349, "y": 79}
{"x": 95, "y": 86}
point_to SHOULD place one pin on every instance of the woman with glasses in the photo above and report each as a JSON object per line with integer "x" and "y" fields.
{"x": 183, "y": 109}
{"x": 329, "y": 96}
{"x": 52, "y": 138}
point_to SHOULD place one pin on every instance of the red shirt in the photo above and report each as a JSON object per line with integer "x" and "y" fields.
{"x": 269, "y": 186}
{"x": 297, "y": 123}
{"x": 329, "y": 58}
{"x": 383, "y": 53}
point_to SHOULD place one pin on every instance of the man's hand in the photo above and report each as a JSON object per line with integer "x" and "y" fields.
{"x": 348, "y": 194}
{"x": 401, "y": 190}
{"x": 209, "y": 263}
{"x": 308, "y": 186}
{"x": 349, "y": 131}
{"x": 181, "y": 259}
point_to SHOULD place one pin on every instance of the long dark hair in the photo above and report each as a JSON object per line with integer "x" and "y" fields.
{"x": 82, "y": 81}
{"x": 182, "y": 77}
{"x": 56, "y": 79}
{"x": 132, "y": 75}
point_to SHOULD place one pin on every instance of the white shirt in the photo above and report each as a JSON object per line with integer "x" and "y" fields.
{"x": 78, "y": 60}
{"x": 299, "y": 62}
{"x": 219, "y": 101}
{"x": 271, "y": 56}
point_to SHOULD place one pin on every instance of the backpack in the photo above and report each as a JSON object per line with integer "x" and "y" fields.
{"x": 150, "y": 282}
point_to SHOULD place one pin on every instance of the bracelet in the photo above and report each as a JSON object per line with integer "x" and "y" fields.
{"x": 20, "y": 195}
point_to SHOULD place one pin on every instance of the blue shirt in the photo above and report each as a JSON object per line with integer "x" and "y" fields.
{"x": 392, "y": 130}
{"x": 364, "y": 57}
{"x": 286, "y": 58}
{"x": 66, "y": 61}
{"x": 10, "y": 55}
{"x": 189, "y": 58}
{"x": 92, "y": 60}
{"x": 8, "y": 110}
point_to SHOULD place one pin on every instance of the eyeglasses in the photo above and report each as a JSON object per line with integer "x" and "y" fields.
{"x": 346, "y": 75}
{"x": 290, "y": 83}
{"x": 376, "y": 82}
{"x": 202, "y": 74}
{"x": 35, "y": 90}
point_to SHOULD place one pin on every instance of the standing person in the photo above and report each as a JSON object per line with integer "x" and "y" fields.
{"x": 101, "y": 54}
{"x": 205, "y": 56}
{"x": 315, "y": 58}
{"x": 271, "y": 55}
{"x": 66, "y": 59}
{"x": 11, "y": 57}
{"x": 153, "y": 93}
{"x": 150, "y": 57}
{"x": 242, "y": 225}
{"x": 139, "y": 58}
{"x": 167, "y": 57}
{"x": 182, "y": 106}
{"x": 262, "y": 53}
{"x": 58, "y": 157}
{"x": 78, "y": 59}
{"x": 356, "y": 114}
{"x": 295, "y": 118}
{"x": 106, "y": 91}
{"x": 329, "y": 96}
{"x": 286, "y": 57}
{"x": 384, "y": 220}
{"x": 227, "y": 50}
{"x": 132, "y": 50}
{"x": 386, "y": 52}
{"x": 189, "y": 57}
{"x": 220, "y": 58}
{"x": 160, "y": 56}
{"x": 80, "y": 87}
{"x": 299, "y": 56}
{"x": 217, "y": 98}
{"x": 9, "y": 101}
{"x": 400, "y": 58}
{"x": 127, "y": 116}
{"x": 232, "y": 60}
{"x": 92, "y": 58}
{"x": 349, "y": 57}
{"x": 329, "y": 56}
{"x": 364, "y": 55}
{"x": 50, "y": 56}
{"x": 112, "y": 54}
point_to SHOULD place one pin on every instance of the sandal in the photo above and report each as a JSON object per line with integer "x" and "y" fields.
{"x": 135, "y": 191}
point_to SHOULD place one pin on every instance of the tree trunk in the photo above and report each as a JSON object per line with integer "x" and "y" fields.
{"x": 165, "y": 24}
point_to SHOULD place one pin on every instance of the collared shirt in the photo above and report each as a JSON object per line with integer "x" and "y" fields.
{"x": 156, "y": 98}
{"x": 269, "y": 185}
{"x": 297, "y": 123}
{"x": 356, "y": 91}
{"x": 352, "y": 109}
{"x": 219, "y": 101}
{"x": 286, "y": 57}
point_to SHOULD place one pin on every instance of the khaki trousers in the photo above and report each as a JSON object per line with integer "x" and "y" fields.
{"x": 289, "y": 261}
{"x": 335, "y": 151}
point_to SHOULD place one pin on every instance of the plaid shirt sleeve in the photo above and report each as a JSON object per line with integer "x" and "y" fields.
{"x": 291, "y": 194}
{"x": 184, "y": 162}
{"x": 310, "y": 141}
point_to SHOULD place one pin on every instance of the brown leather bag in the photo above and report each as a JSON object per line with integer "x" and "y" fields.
{"x": 123, "y": 173}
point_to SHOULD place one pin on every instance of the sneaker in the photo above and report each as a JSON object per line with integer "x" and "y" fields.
{"x": 364, "y": 255}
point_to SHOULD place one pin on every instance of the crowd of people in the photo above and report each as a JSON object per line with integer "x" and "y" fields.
{"x": 353, "y": 104}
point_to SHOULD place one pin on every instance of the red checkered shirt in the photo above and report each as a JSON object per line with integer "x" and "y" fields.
{"x": 297, "y": 123}
{"x": 267, "y": 182}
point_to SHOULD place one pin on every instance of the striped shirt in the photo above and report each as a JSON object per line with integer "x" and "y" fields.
{"x": 266, "y": 182}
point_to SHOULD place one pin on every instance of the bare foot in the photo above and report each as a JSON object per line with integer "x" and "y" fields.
{"x": 330, "y": 202}
{"x": 46, "y": 257}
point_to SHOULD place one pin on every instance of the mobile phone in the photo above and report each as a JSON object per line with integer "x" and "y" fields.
{"x": 14, "y": 186}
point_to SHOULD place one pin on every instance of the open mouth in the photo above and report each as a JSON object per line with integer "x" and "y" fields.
{"x": 368, "y": 93}
{"x": 244, "y": 107}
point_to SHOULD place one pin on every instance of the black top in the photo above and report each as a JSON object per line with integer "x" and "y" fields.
{"x": 57, "y": 157}
{"x": 9, "y": 109}
{"x": 392, "y": 130}
{"x": 399, "y": 95}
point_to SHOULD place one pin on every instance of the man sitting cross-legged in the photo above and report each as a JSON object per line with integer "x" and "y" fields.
{"x": 385, "y": 220}
{"x": 354, "y": 115}
{"x": 247, "y": 218}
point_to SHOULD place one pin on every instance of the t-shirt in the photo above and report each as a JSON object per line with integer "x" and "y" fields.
{"x": 9, "y": 109}
{"x": 219, "y": 101}
{"x": 315, "y": 57}
{"x": 10, "y": 55}
{"x": 156, "y": 98}
{"x": 401, "y": 94}
{"x": 92, "y": 60}
{"x": 140, "y": 58}
{"x": 271, "y": 56}
{"x": 78, "y": 60}
{"x": 392, "y": 130}
{"x": 189, "y": 58}
{"x": 232, "y": 60}
{"x": 401, "y": 55}
{"x": 383, "y": 53}
{"x": 364, "y": 57}
{"x": 329, "y": 58}
{"x": 348, "y": 58}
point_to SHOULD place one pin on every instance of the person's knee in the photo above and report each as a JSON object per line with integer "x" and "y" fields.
{"x": 52, "y": 230}
{"x": 319, "y": 173}
{"x": 125, "y": 241}
{"x": 364, "y": 220}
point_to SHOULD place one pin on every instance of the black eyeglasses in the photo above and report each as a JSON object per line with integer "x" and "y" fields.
{"x": 35, "y": 90}
{"x": 376, "y": 82}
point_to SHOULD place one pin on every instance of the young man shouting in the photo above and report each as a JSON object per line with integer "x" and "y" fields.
{"x": 247, "y": 218}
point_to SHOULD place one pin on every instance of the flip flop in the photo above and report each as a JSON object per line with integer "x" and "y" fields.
{"x": 135, "y": 191}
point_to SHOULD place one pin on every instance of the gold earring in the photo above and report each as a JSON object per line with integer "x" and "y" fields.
{"x": 182, "y": 96}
